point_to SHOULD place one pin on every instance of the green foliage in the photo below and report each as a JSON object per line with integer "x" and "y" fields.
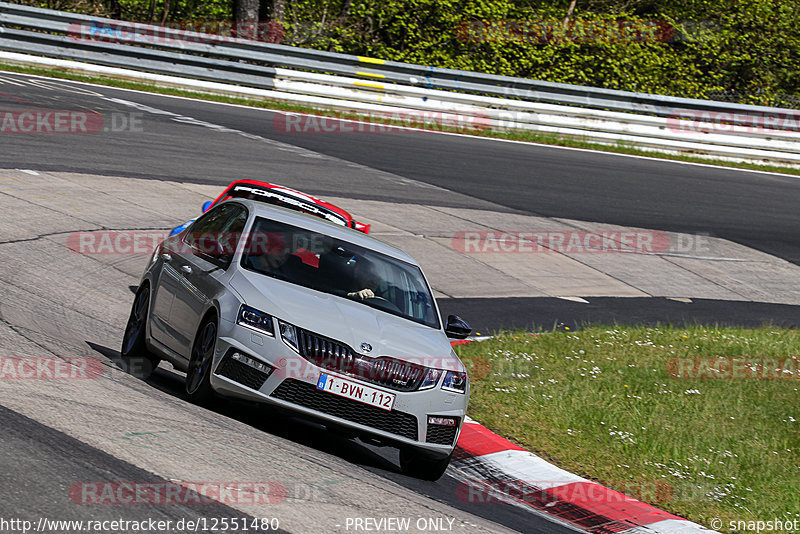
{"x": 631, "y": 408}
{"x": 738, "y": 50}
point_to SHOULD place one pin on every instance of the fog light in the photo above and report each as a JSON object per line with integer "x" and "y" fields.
{"x": 442, "y": 421}
{"x": 251, "y": 362}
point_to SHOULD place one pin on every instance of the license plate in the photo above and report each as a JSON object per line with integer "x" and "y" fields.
{"x": 355, "y": 391}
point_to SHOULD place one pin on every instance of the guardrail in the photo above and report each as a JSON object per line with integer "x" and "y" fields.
{"x": 719, "y": 129}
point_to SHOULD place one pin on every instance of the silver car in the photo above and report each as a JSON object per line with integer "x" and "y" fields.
{"x": 267, "y": 304}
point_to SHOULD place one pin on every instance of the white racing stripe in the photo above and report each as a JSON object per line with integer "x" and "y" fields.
{"x": 524, "y": 466}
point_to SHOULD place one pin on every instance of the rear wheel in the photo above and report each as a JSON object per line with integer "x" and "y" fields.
{"x": 198, "y": 375}
{"x": 421, "y": 464}
{"x": 136, "y": 359}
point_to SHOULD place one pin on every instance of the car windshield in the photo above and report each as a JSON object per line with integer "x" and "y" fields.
{"x": 327, "y": 264}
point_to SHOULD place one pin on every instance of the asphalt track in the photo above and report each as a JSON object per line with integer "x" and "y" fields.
{"x": 539, "y": 313}
{"x": 186, "y": 140}
{"x": 755, "y": 209}
{"x": 54, "y": 461}
{"x": 187, "y": 144}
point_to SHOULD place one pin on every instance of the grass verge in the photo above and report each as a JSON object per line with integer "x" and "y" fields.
{"x": 514, "y": 135}
{"x": 695, "y": 421}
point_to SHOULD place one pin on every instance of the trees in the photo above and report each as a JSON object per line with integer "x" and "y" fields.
{"x": 743, "y": 50}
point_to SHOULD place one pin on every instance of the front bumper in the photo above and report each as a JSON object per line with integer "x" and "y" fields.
{"x": 291, "y": 384}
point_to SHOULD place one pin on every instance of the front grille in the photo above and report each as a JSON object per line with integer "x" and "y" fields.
{"x": 308, "y": 396}
{"x": 241, "y": 373}
{"x": 441, "y": 435}
{"x": 335, "y": 356}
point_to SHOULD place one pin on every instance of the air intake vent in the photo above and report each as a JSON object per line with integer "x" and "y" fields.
{"x": 338, "y": 357}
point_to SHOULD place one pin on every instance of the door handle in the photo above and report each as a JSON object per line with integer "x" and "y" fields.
{"x": 166, "y": 257}
{"x": 186, "y": 269}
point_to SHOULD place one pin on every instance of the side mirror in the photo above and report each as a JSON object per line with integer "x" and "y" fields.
{"x": 206, "y": 205}
{"x": 457, "y": 328}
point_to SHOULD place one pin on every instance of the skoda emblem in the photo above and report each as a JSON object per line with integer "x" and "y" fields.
{"x": 366, "y": 347}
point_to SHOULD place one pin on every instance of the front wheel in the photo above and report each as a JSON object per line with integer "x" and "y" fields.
{"x": 420, "y": 464}
{"x": 136, "y": 359}
{"x": 198, "y": 375}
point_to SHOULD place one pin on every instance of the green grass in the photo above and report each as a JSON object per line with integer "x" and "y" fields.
{"x": 602, "y": 402}
{"x": 515, "y": 135}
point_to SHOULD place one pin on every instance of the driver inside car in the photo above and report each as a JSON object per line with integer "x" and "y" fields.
{"x": 364, "y": 277}
{"x": 349, "y": 274}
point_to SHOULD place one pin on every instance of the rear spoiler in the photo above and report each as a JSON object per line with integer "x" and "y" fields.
{"x": 361, "y": 227}
{"x": 274, "y": 195}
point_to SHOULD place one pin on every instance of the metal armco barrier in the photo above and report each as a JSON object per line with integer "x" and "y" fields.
{"x": 359, "y": 84}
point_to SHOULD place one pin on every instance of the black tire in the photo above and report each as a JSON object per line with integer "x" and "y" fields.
{"x": 198, "y": 374}
{"x": 135, "y": 358}
{"x": 420, "y": 464}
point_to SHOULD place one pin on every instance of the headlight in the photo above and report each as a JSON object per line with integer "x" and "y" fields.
{"x": 431, "y": 379}
{"x": 257, "y": 320}
{"x": 289, "y": 335}
{"x": 455, "y": 381}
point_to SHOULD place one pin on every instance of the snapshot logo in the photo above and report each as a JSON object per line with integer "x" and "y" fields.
{"x": 381, "y": 122}
{"x": 721, "y": 122}
{"x": 734, "y": 368}
{"x": 182, "y": 493}
{"x": 176, "y": 33}
{"x": 50, "y": 368}
{"x": 596, "y": 31}
{"x": 37, "y": 121}
{"x": 561, "y": 241}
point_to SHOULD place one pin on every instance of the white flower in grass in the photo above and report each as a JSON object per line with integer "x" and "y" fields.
{"x": 692, "y": 392}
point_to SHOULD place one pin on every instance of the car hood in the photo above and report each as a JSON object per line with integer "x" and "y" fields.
{"x": 347, "y": 321}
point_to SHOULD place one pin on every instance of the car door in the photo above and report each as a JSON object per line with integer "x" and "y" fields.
{"x": 164, "y": 291}
{"x": 202, "y": 269}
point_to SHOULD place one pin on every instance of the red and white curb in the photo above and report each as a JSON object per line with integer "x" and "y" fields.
{"x": 498, "y": 470}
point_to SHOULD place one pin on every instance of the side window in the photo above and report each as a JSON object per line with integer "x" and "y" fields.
{"x": 208, "y": 225}
{"x": 216, "y": 234}
{"x": 232, "y": 232}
